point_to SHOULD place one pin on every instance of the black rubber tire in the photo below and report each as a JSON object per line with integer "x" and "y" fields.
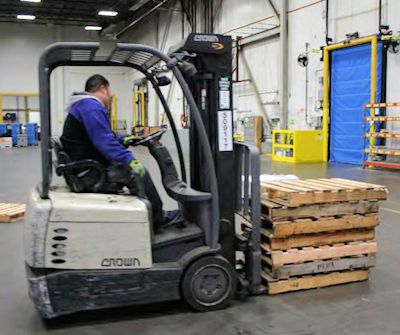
{"x": 209, "y": 283}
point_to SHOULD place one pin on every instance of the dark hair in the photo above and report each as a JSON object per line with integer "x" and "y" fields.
{"x": 94, "y": 82}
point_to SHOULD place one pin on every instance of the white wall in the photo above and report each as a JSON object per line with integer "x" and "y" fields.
{"x": 20, "y": 48}
{"x": 162, "y": 31}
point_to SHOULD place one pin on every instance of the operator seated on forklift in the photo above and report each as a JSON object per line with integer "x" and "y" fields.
{"x": 87, "y": 134}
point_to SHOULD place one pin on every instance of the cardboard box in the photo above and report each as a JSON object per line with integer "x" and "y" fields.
{"x": 5, "y": 142}
{"x": 22, "y": 141}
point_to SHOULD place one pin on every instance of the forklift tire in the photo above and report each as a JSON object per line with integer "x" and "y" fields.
{"x": 209, "y": 283}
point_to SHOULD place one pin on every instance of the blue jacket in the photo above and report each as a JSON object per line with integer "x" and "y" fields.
{"x": 89, "y": 111}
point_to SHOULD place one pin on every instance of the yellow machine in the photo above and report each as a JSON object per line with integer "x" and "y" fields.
{"x": 113, "y": 112}
{"x": 296, "y": 146}
{"x": 139, "y": 109}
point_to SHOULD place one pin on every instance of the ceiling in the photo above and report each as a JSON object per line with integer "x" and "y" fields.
{"x": 76, "y": 12}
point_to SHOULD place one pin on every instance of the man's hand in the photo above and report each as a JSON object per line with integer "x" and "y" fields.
{"x": 129, "y": 140}
{"x": 137, "y": 167}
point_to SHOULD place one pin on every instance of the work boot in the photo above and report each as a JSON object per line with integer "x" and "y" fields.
{"x": 172, "y": 218}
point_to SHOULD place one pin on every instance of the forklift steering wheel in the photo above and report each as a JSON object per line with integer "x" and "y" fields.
{"x": 154, "y": 136}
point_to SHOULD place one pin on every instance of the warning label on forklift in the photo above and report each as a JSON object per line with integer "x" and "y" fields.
{"x": 225, "y": 135}
{"x": 224, "y": 93}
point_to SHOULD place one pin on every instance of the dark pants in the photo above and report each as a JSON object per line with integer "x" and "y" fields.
{"x": 151, "y": 194}
{"x": 119, "y": 176}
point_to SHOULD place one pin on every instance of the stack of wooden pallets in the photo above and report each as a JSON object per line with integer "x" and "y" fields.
{"x": 318, "y": 232}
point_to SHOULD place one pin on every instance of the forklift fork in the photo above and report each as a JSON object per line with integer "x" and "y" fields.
{"x": 248, "y": 207}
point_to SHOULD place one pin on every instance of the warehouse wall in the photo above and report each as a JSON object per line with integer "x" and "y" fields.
{"x": 306, "y": 26}
{"x": 161, "y": 31}
{"x": 18, "y": 61}
{"x": 21, "y": 48}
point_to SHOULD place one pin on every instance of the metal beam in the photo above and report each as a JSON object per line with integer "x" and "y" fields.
{"x": 256, "y": 92}
{"x": 262, "y": 36}
{"x": 274, "y": 9}
{"x": 140, "y": 18}
{"x": 284, "y": 83}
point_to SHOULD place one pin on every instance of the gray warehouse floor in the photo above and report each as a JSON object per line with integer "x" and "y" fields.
{"x": 371, "y": 307}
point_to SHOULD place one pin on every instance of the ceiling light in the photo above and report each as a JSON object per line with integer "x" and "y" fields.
{"x": 26, "y": 17}
{"x": 93, "y": 28}
{"x": 108, "y": 13}
{"x": 30, "y": 0}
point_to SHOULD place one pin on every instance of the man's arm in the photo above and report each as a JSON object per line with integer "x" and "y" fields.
{"x": 99, "y": 131}
{"x": 120, "y": 138}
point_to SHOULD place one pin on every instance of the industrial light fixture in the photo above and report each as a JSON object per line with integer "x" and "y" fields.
{"x": 93, "y": 28}
{"x": 26, "y": 17}
{"x": 31, "y": 0}
{"x": 108, "y": 13}
{"x": 302, "y": 60}
{"x": 352, "y": 36}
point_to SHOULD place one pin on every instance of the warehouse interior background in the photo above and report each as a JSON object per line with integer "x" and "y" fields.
{"x": 278, "y": 76}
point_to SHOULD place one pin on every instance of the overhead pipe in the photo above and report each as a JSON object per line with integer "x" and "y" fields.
{"x": 383, "y": 29}
{"x": 380, "y": 16}
{"x": 140, "y": 18}
{"x": 328, "y": 40}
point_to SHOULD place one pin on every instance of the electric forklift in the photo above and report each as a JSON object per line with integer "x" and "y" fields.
{"x": 87, "y": 251}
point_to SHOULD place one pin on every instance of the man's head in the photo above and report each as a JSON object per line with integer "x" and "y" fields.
{"x": 99, "y": 87}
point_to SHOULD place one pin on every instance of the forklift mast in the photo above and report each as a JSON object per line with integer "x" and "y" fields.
{"x": 211, "y": 86}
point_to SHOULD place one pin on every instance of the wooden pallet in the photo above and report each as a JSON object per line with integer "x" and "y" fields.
{"x": 11, "y": 212}
{"x": 279, "y": 258}
{"x": 311, "y": 240}
{"x": 275, "y": 211}
{"x": 320, "y": 266}
{"x": 323, "y": 190}
{"x": 313, "y": 281}
{"x": 324, "y": 224}
{"x": 316, "y": 240}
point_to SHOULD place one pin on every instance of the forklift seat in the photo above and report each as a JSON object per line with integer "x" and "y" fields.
{"x": 75, "y": 173}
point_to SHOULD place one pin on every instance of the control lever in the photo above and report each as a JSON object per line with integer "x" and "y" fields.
{"x": 140, "y": 186}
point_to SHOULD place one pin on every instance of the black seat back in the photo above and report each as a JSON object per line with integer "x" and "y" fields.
{"x": 81, "y": 176}
{"x": 62, "y": 156}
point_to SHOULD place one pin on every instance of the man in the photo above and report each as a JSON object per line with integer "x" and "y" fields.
{"x": 87, "y": 135}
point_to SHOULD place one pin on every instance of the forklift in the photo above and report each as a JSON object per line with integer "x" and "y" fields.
{"x": 88, "y": 251}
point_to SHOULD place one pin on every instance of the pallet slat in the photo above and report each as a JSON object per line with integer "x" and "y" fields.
{"x": 306, "y": 254}
{"x": 315, "y": 240}
{"x": 14, "y": 210}
{"x": 309, "y": 226}
{"x": 308, "y": 282}
{"x": 322, "y": 266}
{"x": 271, "y": 242}
{"x": 275, "y": 211}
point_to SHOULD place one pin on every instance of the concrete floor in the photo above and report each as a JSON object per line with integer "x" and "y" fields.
{"x": 371, "y": 307}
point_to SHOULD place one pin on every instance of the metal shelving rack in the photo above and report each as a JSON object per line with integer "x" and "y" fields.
{"x": 20, "y": 106}
{"x": 375, "y": 155}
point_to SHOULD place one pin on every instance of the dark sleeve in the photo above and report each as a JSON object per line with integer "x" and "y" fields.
{"x": 99, "y": 131}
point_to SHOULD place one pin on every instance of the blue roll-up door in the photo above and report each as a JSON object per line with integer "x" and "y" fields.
{"x": 350, "y": 90}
